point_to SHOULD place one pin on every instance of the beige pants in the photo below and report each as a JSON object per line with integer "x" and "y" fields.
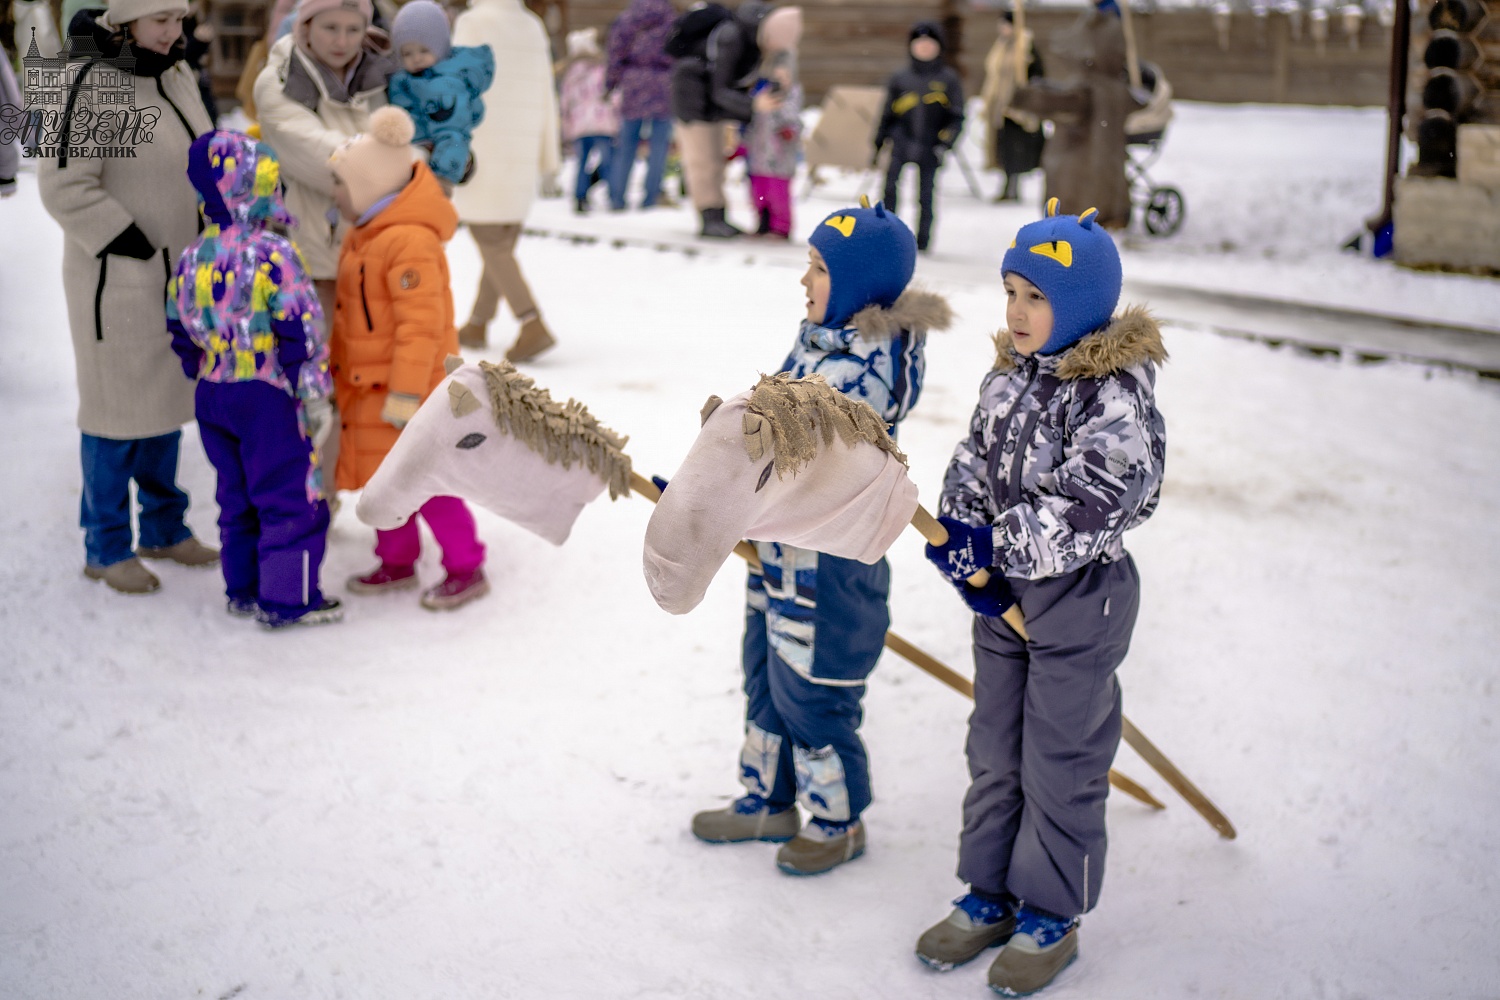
{"x": 703, "y": 162}
{"x": 502, "y": 275}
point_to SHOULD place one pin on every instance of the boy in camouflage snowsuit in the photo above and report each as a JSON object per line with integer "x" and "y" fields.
{"x": 1065, "y": 453}
{"x": 815, "y": 623}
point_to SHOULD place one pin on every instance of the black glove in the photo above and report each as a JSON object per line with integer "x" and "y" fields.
{"x": 131, "y": 243}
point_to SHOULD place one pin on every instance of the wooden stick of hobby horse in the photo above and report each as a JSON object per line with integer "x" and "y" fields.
{"x": 934, "y": 532}
{"x": 1132, "y": 56}
{"x": 901, "y": 647}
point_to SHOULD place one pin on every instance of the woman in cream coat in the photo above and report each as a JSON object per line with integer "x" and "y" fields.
{"x": 125, "y": 220}
{"x": 317, "y": 91}
{"x": 513, "y": 146}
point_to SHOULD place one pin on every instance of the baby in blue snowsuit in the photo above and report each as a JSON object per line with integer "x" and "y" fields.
{"x": 439, "y": 86}
{"x": 814, "y": 623}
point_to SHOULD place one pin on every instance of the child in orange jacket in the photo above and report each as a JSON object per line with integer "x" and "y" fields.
{"x": 392, "y": 329}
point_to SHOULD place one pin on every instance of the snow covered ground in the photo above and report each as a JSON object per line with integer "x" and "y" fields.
{"x": 494, "y": 802}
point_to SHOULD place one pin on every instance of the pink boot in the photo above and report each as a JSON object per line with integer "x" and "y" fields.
{"x": 382, "y": 579}
{"x": 456, "y": 591}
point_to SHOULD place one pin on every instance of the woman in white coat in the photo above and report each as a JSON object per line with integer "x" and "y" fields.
{"x": 513, "y": 146}
{"x": 316, "y": 92}
{"x": 125, "y": 220}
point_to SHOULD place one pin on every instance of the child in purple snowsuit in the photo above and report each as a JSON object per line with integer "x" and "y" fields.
{"x": 246, "y": 323}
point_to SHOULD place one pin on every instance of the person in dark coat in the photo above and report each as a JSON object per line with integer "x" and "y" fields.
{"x": 641, "y": 73}
{"x": 711, "y": 83}
{"x": 1013, "y": 139}
{"x": 1087, "y": 101}
{"x": 924, "y": 113}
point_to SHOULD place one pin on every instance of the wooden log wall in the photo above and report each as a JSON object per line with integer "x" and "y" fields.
{"x": 863, "y": 41}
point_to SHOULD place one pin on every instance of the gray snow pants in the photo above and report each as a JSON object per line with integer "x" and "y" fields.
{"x": 1043, "y": 735}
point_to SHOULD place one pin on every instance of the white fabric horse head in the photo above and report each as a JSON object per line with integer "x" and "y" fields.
{"x": 489, "y": 435}
{"x": 791, "y": 461}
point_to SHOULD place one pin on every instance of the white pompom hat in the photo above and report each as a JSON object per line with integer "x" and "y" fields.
{"x": 378, "y": 161}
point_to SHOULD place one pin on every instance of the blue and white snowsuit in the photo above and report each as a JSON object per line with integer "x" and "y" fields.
{"x": 1065, "y": 453}
{"x": 445, "y": 104}
{"x": 815, "y": 623}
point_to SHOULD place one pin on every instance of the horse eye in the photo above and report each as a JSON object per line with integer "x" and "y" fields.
{"x": 471, "y": 441}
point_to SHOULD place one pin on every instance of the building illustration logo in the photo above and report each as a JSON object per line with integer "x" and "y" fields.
{"x": 81, "y": 97}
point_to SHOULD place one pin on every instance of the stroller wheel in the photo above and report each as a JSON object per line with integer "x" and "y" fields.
{"x": 1164, "y": 212}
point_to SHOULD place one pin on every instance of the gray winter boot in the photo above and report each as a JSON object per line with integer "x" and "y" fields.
{"x": 819, "y": 848}
{"x": 1042, "y": 946}
{"x": 716, "y": 227}
{"x": 746, "y": 818}
{"x": 974, "y": 925}
{"x": 129, "y": 576}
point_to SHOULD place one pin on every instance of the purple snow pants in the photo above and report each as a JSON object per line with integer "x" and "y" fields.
{"x": 271, "y": 535}
{"x": 453, "y": 527}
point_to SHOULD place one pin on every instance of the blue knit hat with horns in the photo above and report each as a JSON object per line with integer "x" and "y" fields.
{"x": 1075, "y": 264}
{"x": 871, "y": 255}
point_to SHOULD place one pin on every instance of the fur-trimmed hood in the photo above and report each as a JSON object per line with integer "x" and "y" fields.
{"x": 916, "y": 310}
{"x": 1132, "y": 337}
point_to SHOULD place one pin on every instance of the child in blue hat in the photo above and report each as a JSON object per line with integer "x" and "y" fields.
{"x": 1065, "y": 453}
{"x": 814, "y": 623}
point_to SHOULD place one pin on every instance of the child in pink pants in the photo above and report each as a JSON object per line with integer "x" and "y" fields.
{"x": 773, "y": 144}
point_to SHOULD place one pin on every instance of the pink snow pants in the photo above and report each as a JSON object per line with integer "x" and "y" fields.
{"x": 774, "y": 196}
{"x": 453, "y": 527}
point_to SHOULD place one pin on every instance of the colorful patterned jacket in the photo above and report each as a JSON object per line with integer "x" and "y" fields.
{"x": 879, "y": 357}
{"x": 240, "y": 305}
{"x": 1065, "y": 452}
{"x": 639, "y": 71}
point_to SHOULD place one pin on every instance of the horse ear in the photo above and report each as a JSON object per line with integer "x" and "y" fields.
{"x": 709, "y": 406}
{"x": 452, "y": 363}
{"x": 460, "y": 400}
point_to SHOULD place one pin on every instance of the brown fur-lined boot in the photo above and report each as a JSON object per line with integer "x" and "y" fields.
{"x": 472, "y": 335}
{"x": 533, "y": 339}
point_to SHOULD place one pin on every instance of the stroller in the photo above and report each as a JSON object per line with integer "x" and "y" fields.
{"x": 1161, "y": 208}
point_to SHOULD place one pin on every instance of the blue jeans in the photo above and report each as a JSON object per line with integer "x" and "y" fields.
{"x": 585, "y": 145}
{"x": 625, "y": 146}
{"x": 104, "y": 512}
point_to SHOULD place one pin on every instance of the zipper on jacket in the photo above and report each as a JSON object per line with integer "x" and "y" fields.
{"x": 369, "y": 324}
{"x": 166, "y": 267}
{"x": 99, "y": 298}
{"x": 1003, "y": 428}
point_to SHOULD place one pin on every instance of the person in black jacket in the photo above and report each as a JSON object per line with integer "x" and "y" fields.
{"x": 924, "y": 113}
{"x": 711, "y": 85}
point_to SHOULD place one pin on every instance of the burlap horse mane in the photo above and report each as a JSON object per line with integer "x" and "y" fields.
{"x": 560, "y": 432}
{"x": 786, "y": 416}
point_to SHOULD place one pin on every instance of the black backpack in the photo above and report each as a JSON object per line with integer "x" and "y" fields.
{"x": 689, "y": 34}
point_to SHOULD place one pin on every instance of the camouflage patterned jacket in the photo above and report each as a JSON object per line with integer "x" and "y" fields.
{"x": 1065, "y": 453}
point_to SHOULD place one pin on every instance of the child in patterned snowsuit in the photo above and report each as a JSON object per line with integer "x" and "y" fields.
{"x": 440, "y": 86}
{"x": 815, "y": 624}
{"x": 773, "y": 143}
{"x": 1065, "y": 453}
{"x": 245, "y": 321}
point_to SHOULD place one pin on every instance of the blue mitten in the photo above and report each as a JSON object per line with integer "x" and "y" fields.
{"x": 967, "y": 550}
{"x": 992, "y": 600}
{"x": 659, "y": 483}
